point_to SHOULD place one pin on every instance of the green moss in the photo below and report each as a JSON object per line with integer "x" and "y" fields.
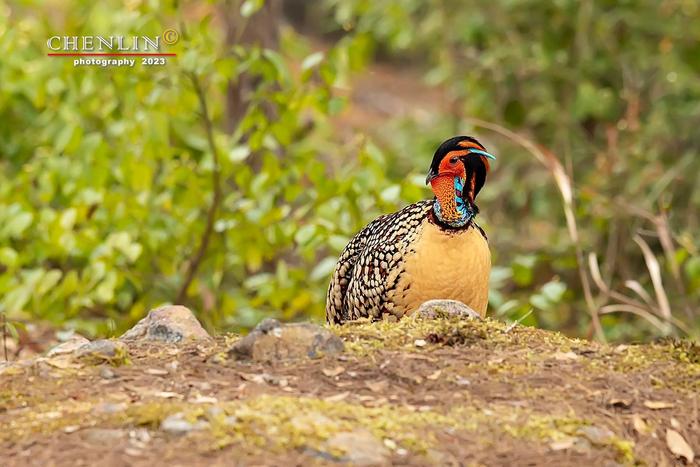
{"x": 363, "y": 337}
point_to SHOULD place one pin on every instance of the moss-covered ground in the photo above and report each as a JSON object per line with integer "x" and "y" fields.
{"x": 420, "y": 391}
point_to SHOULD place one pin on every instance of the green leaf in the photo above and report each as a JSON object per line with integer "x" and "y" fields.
{"x": 17, "y": 224}
{"x": 312, "y": 60}
{"x": 323, "y": 269}
{"x": 554, "y": 291}
{"x": 239, "y": 153}
{"x": 305, "y": 233}
{"x": 48, "y": 281}
{"x": 8, "y": 256}
{"x": 249, "y": 7}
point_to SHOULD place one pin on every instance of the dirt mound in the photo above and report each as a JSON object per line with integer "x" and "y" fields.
{"x": 420, "y": 391}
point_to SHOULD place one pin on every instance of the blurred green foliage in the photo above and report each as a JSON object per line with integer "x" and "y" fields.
{"x": 107, "y": 174}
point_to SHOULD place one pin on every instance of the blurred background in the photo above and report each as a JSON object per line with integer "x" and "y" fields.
{"x": 230, "y": 178}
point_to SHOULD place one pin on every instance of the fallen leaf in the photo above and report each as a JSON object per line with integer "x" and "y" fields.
{"x": 167, "y": 395}
{"x": 658, "y": 405}
{"x": 390, "y": 443}
{"x": 435, "y": 375}
{"x": 563, "y": 444}
{"x": 621, "y": 403}
{"x": 254, "y": 377}
{"x": 640, "y": 426}
{"x": 199, "y": 399}
{"x": 563, "y": 356}
{"x": 679, "y": 446}
{"x": 332, "y": 372}
{"x": 377, "y": 386}
{"x": 378, "y": 402}
{"x": 337, "y": 397}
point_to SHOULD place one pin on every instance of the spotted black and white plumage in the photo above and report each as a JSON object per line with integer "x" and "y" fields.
{"x": 370, "y": 265}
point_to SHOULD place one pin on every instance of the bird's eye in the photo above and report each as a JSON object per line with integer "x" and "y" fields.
{"x": 454, "y": 160}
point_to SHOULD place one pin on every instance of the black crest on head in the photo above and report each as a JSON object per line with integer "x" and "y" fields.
{"x": 451, "y": 144}
{"x": 475, "y": 166}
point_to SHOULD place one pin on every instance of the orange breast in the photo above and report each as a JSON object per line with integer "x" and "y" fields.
{"x": 445, "y": 264}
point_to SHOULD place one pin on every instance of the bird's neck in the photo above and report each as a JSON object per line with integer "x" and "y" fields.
{"x": 449, "y": 206}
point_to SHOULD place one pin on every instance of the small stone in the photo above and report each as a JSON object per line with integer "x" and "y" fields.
{"x": 107, "y": 373}
{"x": 272, "y": 341}
{"x": 420, "y": 343}
{"x": 597, "y": 435}
{"x": 110, "y": 407}
{"x": 360, "y": 447}
{"x": 71, "y": 345}
{"x": 462, "y": 381}
{"x": 103, "y": 351}
{"x": 170, "y": 324}
{"x": 177, "y": 425}
{"x": 440, "y": 308}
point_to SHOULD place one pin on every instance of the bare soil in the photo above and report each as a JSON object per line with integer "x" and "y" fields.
{"x": 443, "y": 392}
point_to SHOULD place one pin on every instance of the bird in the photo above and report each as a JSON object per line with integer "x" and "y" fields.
{"x": 432, "y": 249}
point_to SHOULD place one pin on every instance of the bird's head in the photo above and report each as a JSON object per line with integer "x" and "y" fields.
{"x": 457, "y": 174}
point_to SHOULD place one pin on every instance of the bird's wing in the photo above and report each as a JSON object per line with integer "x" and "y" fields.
{"x": 343, "y": 272}
{"x": 369, "y": 266}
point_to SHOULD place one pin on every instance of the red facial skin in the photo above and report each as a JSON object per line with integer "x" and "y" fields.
{"x": 444, "y": 188}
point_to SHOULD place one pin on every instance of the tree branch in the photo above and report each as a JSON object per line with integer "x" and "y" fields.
{"x": 196, "y": 260}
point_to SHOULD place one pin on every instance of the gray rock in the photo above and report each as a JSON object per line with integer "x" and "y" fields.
{"x": 170, "y": 324}
{"x": 107, "y": 373}
{"x": 600, "y": 436}
{"x": 110, "y": 407}
{"x": 69, "y": 346}
{"x": 441, "y": 308}
{"x": 103, "y": 351}
{"x": 272, "y": 340}
{"x": 360, "y": 448}
{"x": 177, "y": 425}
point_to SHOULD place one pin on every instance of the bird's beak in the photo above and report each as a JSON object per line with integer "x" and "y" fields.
{"x": 431, "y": 176}
{"x": 483, "y": 153}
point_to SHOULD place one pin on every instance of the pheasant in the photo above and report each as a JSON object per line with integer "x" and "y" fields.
{"x": 432, "y": 249}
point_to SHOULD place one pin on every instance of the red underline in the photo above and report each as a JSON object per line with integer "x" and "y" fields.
{"x": 83, "y": 54}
